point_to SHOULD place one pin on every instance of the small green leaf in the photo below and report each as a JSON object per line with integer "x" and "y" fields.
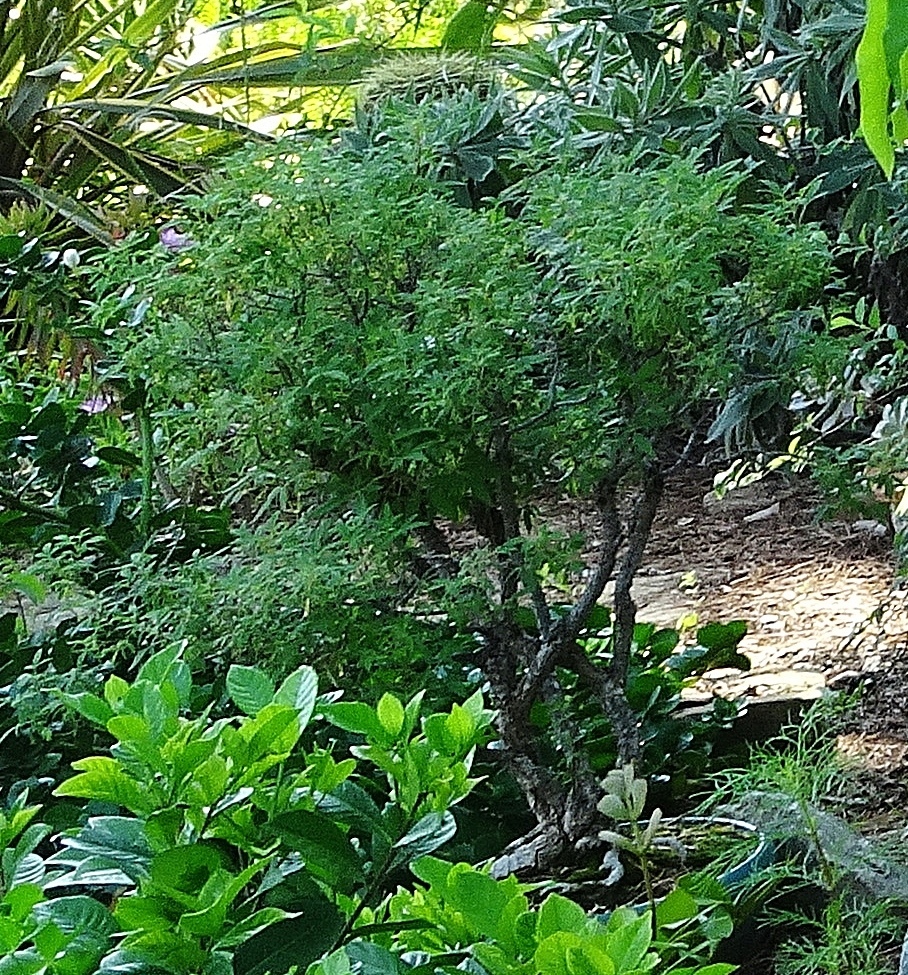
{"x": 431, "y": 832}
{"x": 722, "y": 636}
{"x": 562, "y": 954}
{"x": 102, "y": 778}
{"x": 325, "y": 848}
{"x": 676, "y": 906}
{"x": 559, "y": 914}
{"x": 432, "y": 871}
{"x": 479, "y": 898}
{"x": 470, "y": 29}
{"x": 294, "y": 943}
{"x": 356, "y": 717}
{"x": 89, "y": 706}
{"x": 115, "y": 690}
{"x": 28, "y": 585}
{"x": 391, "y": 714}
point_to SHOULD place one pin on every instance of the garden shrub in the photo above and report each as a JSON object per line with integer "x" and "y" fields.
{"x": 234, "y": 844}
{"x": 340, "y": 324}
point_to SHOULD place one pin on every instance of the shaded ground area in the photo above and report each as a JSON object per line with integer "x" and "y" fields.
{"x": 821, "y": 600}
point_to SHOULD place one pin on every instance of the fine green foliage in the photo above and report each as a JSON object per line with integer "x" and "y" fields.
{"x": 844, "y": 938}
{"x": 322, "y": 589}
{"x": 363, "y": 324}
{"x": 340, "y": 325}
{"x": 63, "y": 471}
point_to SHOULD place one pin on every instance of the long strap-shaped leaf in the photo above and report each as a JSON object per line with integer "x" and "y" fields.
{"x": 339, "y": 65}
{"x": 161, "y": 174}
{"x": 139, "y": 109}
{"x": 68, "y": 208}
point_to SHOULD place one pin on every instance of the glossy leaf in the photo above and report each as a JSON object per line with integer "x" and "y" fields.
{"x": 295, "y": 942}
{"x": 429, "y": 833}
{"x": 325, "y": 848}
{"x": 299, "y": 691}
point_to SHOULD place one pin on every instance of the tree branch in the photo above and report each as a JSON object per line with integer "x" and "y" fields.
{"x": 564, "y": 632}
{"x": 612, "y": 698}
{"x": 625, "y": 608}
{"x": 12, "y": 500}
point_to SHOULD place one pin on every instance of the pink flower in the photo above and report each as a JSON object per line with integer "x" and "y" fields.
{"x": 99, "y": 403}
{"x": 174, "y": 241}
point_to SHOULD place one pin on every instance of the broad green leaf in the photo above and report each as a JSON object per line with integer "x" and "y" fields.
{"x": 356, "y": 717}
{"x": 299, "y": 691}
{"x": 112, "y": 844}
{"x": 186, "y": 868}
{"x": 875, "y": 86}
{"x": 179, "y": 953}
{"x": 28, "y": 585}
{"x": 494, "y": 960}
{"x": 717, "y": 925}
{"x": 432, "y": 871}
{"x": 158, "y": 667}
{"x": 676, "y": 906}
{"x": 20, "y": 900}
{"x": 429, "y": 833}
{"x": 250, "y": 689}
{"x": 102, "y": 778}
{"x": 373, "y": 959}
{"x": 479, "y": 898}
{"x": 89, "y": 706}
{"x": 461, "y": 727}
{"x": 208, "y": 781}
{"x": 296, "y": 942}
{"x": 272, "y": 733}
{"x": 629, "y": 941}
{"x": 325, "y": 847}
{"x": 510, "y": 932}
{"x": 470, "y": 29}
{"x": 29, "y": 870}
{"x": 411, "y": 713}
{"x": 115, "y": 690}
{"x": 559, "y": 914}
{"x": 86, "y": 926}
{"x": 587, "y": 960}
{"x": 219, "y": 892}
{"x": 350, "y": 803}
{"x": 250, "y": 926}
{"x": 562, "y": 953}
{"x": 722, "y": 636}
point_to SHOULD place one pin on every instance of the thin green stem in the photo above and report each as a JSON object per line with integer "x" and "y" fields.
{"x": 146, "y": 438}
